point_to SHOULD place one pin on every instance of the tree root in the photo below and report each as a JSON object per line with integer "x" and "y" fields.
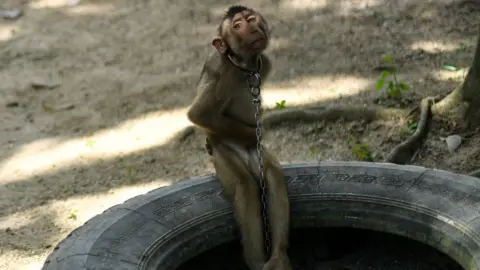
{"x": 332, "y": 114}
{"x": 273, "y": 118}
{"x": 405, "y": 151}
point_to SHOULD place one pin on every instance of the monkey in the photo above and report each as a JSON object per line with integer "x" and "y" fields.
{"x": 223, "y": 109}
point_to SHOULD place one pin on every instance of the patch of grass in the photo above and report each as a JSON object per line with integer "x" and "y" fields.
{"x": 91, "y": 143}
{"x": 73, "y": 215}
{"x": 412, "y": 125}
{"x": 313, "y": 151}
{"x": 388, "y": 79}
{"x": 280, "y": 105}
{"x": 410, "y": 129}
{"x": 46, "y": 107}
{"x": 362, "y": 152}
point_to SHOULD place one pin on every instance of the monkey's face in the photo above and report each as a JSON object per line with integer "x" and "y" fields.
{"x": 250, "y": 32}
{"x": 244, "y": 34}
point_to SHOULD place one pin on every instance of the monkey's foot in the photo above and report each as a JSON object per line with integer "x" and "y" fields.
{"x": 278, "y": 262}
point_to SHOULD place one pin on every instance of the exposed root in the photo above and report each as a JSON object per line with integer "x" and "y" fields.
{"x": 274, "y": 118}
{"x": 451, "y": 110}
{"x": 404, "y": 152}
{"x": 332, "y": 114}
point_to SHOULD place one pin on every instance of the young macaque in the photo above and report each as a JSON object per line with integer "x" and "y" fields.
{"x": 223, "y": 108}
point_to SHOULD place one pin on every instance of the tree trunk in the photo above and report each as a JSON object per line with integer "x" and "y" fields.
{"x": 462, "y": 106}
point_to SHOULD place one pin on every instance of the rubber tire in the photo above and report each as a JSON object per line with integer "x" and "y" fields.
{"x": 167, "y": 226}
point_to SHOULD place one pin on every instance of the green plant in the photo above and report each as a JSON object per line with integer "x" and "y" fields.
{"x": 313, "y": 151}
{"x": 316, "y": 129}
{"x": 280, "y": 105}
{"x": 73, "y": 215}
{"x": 91, "y": 143}
{"x": 129, "y": 170}
{"x": 411, "y": 127}
{"x": 362, "y": 152}
{"x": 394, "y": 87}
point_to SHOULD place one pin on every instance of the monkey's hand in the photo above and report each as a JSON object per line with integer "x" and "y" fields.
{"x": 223, "y": 126}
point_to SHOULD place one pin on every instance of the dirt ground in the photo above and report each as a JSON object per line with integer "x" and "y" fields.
{"x": 92, "y": 96}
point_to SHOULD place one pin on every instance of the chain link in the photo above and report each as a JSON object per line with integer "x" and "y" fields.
{"x": 255, "y": 90}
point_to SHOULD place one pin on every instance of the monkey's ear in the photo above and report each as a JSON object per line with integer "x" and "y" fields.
{"x": 219, "y": 44}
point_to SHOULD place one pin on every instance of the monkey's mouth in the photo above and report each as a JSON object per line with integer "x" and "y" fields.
{"x": 259, "y": 39}
{"x": 258, "y": 42}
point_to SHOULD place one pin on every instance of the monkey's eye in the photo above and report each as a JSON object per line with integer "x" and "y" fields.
{"x": 252, "y": 19}
{"x": 237, "y": 26}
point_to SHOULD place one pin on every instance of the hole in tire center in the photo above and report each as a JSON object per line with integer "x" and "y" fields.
{"x": 336, "y": 249}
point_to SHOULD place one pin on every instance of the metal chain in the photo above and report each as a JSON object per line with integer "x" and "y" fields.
{"x": 254, "y": 81}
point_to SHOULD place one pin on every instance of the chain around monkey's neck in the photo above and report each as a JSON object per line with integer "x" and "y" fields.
{"x": 254, "y": 65}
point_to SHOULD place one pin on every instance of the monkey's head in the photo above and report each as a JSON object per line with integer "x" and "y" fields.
{"x": 242, "y": 32}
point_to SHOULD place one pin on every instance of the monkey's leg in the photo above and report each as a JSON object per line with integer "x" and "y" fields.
{"x": 243, "y": 191}
{"x": 279, "y": 214}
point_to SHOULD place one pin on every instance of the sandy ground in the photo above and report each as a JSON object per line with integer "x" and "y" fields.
{"x": 92, "y": 96}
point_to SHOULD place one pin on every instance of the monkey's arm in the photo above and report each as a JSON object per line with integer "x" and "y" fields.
{"x": 210, "y": 114}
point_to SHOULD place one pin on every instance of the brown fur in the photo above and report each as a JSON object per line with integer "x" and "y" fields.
{"x": 223, "y": 108}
